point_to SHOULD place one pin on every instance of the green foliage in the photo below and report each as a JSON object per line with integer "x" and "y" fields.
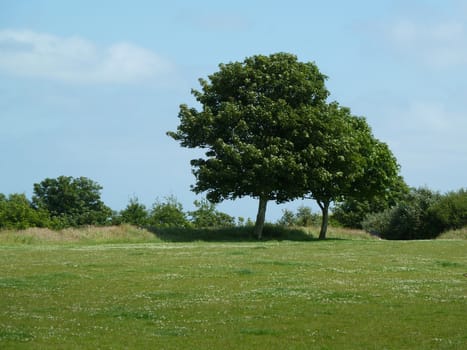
{"x": 450, "y": 212}
{"x": 206, "y": 215}
{"x": 252, "y": 112}
{"x": 16, "y": 212}
{"x": 410, "y": 219}
{"x": 287, "y": 218}
{"x": 423, "y": 214}
{"x": 168, "y": 214}
{"x": 303, "y": 217}
{"x": 71, "y": 201}
{"x": 135, "y": 213}
{"x": 352, "y": 211}
{"x": 339, "y": 158}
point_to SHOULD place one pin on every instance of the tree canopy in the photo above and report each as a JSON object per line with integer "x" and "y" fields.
{"x": 71, "y": 201}
{"x": 343, "y": 160}
{"x": 251, "y": 115}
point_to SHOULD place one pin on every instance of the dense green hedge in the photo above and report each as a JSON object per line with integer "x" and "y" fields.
{"x": 70, "y": 202}
{"x": 423, "y": 214}
{"x": 73, "y": 202}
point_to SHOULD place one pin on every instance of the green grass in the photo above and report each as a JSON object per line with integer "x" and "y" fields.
{"x": 279, "y": 294}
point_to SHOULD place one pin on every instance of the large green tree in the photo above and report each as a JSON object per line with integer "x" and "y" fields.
{"x": 71, "y": 201}
{"x": 251, "y": 114}
{"x": 343, "y": 160}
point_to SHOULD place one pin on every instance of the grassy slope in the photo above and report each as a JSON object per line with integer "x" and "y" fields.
{"x": 350, "y": 294}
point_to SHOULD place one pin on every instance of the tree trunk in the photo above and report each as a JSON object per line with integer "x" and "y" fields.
{"x": 260, "y": 217}
{"x": 325, "y": 218}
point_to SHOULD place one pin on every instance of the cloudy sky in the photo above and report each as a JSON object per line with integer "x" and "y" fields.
{"x": 89, "y": 88}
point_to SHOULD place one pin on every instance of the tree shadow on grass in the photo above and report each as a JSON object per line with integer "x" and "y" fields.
{"x": 231, "y": 234}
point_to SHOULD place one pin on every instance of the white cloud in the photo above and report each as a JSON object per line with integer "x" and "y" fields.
{"x": 74, "y": 59}
{"x": 441, "y": 45}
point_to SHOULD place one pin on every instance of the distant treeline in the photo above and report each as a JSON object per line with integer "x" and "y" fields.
{"x": 72, "y": 202}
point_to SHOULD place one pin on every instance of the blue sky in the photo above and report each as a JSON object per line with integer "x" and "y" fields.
{"x": 89, "y": 88}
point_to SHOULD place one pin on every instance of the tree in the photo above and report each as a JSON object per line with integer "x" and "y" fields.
{"x": 168, "y": 214}
{"x": 303, "y": 217}
{"x": 251, "y": 115}
{"x": 343, "y": 160}
{"x": 287, "y": 218}
{"x": 135, "y": 213}
{"x": 450, "y": 211}
{"x": 16, "y": 212}
{"x": 71, "y": 201}
{"x": 206, "y": 215}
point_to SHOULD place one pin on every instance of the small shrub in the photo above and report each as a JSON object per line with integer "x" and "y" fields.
{"x": 168, "y": 214}
{"x": 135, "y": 213}
{"x": 302, "y": 218}
{"x": 206, "y": 215}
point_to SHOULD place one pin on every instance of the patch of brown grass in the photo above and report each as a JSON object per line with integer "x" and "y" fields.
{"x": 455, "y": 234}
{"x": 88, "y": 234}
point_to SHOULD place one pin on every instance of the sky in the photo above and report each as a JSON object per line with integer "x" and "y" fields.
{"x": 90, "y": 88}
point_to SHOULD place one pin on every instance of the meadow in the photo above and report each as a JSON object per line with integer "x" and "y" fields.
{"x": 125, "y": 288}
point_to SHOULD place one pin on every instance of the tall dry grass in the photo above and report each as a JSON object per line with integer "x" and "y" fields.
{"x": 89, "y": 234}
{"x": 455, "y": 234}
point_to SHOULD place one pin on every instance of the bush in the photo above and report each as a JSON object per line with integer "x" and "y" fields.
{"x": 206, "y": 216}
{"x": 450, "y": 212}
{"x": 351, "y": 212}
{"x": 410, "y": 219}
{"x": 135, "y": 213}
{"x": 303, "y": 218}
{"x": 16, "y": 212}
{"x": 168, "y": 214}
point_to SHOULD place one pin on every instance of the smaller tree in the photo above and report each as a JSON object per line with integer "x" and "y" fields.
{"x": 135, "y": 213}
{"x": 206, "y": 215}
{"x": 303, "y": 217}
{"x": 71, "y": 201}
{"x": 168, "y": 214}
{"x": 16, "y": 212}
{"x": 343, "y": 160}
{"x": 450, "y": 211}
{"x": 287, "y": 219}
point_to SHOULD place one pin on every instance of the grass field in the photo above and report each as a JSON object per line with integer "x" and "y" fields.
{"x": 124, "y": 288}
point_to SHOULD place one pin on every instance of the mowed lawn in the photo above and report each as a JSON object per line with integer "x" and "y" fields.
{"x": 337, "y": 294}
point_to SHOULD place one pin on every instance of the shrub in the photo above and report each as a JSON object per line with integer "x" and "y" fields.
{"x": 16, "y": 212}
{"x": 206, "y": 215}
{"x": 168, "y": 214}
{"x": 351, "y": 212}
{"x": 135, "y": 213}
{"x": 410, "y": 219}
{"x": 450, "y": 212}
{"x": 303, "y": 217}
